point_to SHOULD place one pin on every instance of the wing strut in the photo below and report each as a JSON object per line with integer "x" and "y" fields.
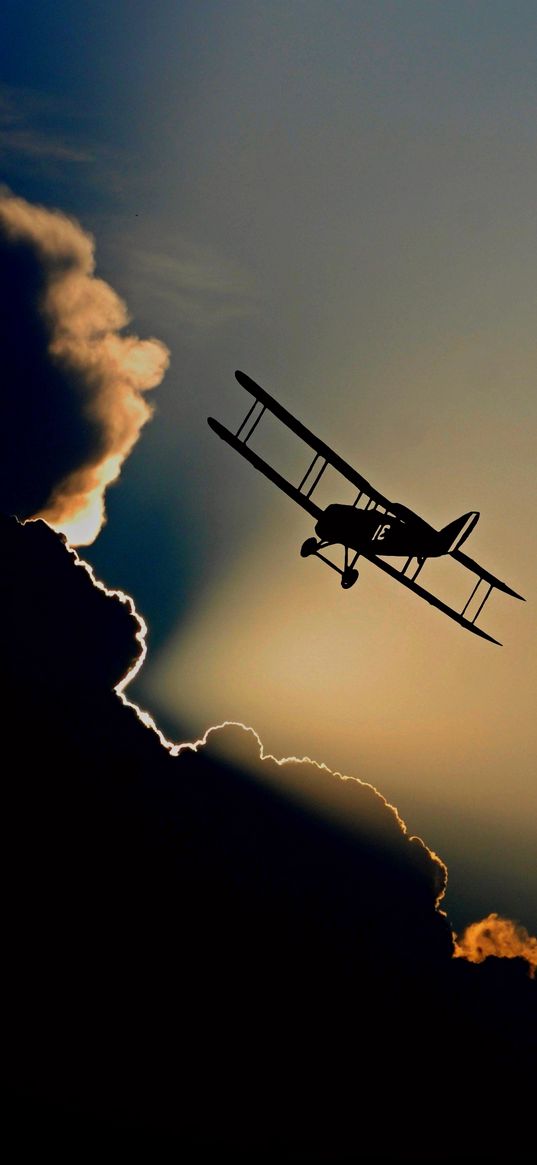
{"x": 241, "y": 447}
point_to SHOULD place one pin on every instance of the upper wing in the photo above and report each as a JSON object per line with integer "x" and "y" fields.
{"x": 323, "y": 454}
{"x": 288, "y": 488}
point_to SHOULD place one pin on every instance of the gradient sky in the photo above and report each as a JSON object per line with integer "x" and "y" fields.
{"x": 340, "y": 199}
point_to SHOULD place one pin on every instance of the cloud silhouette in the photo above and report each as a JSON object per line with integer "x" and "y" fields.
{"x": 196, "y": 957}
{"x": 73, "y": 383}
{"x": 99, "y": 643}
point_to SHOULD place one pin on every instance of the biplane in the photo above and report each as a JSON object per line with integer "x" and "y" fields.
{"x": 372, "y": 527}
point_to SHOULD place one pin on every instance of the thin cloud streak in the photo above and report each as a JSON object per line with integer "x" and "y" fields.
{"x": 33, "y": 144}
{"x": 192, "y": 283}
{"x": 19, "y": 135}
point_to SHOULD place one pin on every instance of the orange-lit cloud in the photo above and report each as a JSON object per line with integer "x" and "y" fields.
{"x": 72, "y": 382}
{"x": 497, "y": 936}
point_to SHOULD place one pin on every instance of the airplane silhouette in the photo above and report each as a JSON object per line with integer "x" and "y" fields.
{"x": 373, "y": 527}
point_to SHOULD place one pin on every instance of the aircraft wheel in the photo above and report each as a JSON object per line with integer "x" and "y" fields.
{"x": 348, "y": 579}
{"x": 308, "y": 547}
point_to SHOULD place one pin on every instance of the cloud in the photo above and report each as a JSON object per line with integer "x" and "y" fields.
{"x": 20, "y": 108}
{"x": 73, "y": 383}
{"x": 354, "y": 805}
{"x": 193, "y": 953}
{"x": 497, "y": 936}
{"x": 66, "y": 622}
{"x": 33, "y": 144}
{"x": 194, "y": 283}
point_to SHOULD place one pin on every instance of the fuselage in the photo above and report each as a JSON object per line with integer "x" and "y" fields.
{"x": 373, "y": 532}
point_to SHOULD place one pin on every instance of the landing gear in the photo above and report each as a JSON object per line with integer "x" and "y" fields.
{"x": 309, "y": 547}
{"x": 348, "y": 578}
{"x": 348, "y": 575}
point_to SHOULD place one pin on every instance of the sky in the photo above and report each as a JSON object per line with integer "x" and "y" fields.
{"x": 337, "y": 198}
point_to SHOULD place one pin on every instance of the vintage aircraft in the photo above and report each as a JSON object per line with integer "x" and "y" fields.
{"x": 372, "y": 527}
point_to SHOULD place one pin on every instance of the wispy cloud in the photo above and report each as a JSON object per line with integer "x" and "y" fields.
{"x": 199, "y": 286}
{"x": 24, "y": 131}
{"x": 36, "y": 145}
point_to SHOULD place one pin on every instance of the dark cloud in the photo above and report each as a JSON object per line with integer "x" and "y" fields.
{"x": 195, "y": 957}
{"x": 72, "y": 382}
{"x": 68, "y": 624}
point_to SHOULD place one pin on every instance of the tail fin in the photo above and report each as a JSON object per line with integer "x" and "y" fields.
{"x": 455, "y": 533}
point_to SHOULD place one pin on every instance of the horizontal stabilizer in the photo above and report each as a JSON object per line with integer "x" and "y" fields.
{"x": 470, "y": 564}
{"x": 454, "y": 534}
